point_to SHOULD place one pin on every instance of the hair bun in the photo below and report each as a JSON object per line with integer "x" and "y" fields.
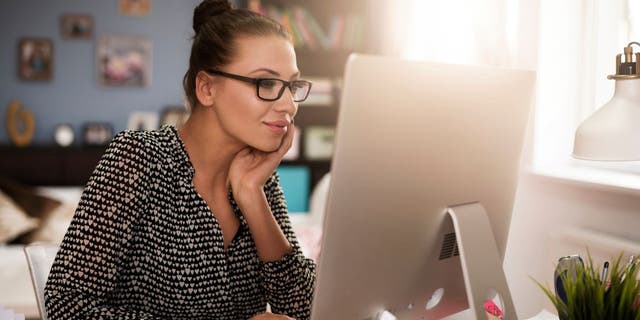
{"x": 207, "y": 9}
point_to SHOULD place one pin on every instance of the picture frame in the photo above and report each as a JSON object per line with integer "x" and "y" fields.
{"x": 319, "y": 142}
{"x": 294, "y": 152}
{"x": 124, "y": 61}
{"x": 35, "y": 59}
{"x": 174, "y": 115}
{"x": 136, "y": 8}
{"x": 76, "y": 26}
{"x": 143, "y": 120}
{"x": 97, "y": 133}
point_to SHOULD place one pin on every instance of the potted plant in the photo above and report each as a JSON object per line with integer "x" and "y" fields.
{"x": 590, "y": 293}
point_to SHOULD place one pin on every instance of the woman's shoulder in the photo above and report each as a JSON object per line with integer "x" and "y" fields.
{"x": 148, "y": 144}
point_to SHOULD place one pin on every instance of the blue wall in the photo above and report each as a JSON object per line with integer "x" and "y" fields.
{"x": 74, "y": 95}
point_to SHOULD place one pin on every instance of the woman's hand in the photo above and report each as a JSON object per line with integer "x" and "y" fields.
{"x": 271, "y": 316}
{"x": 251, "y": 168}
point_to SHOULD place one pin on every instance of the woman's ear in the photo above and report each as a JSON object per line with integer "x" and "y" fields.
{"x": 205, "y": 90}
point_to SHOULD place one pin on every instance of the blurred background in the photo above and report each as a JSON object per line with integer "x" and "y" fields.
{"x": 75, "y": 72}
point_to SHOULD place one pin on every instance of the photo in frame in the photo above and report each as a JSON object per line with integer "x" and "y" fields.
{"x": 173, "y": 115}
{"x": 97, "y": 133}
{"x": 318, "y": 142}
{"x": 136, "y": 8}
{"x": 35, "y": 59}
{"x": 76, "y": 26}
{"x": 143, "y": 120}
{"x": 294, "y": 152}
{"x": 124, "y": 61}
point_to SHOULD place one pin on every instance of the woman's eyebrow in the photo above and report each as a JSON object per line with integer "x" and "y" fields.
{"x": 275, "y": 73}
{"x": 270, "y": 71}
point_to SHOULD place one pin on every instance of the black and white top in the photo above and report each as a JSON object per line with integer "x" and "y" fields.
{"x": 144, "y": 245}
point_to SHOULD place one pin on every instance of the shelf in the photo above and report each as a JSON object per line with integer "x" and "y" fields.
{"x": 57, "y": 166}
{"x": 310, "y": 115}
{"x": 49, "y": 165}
{"x": 315, "y": 6}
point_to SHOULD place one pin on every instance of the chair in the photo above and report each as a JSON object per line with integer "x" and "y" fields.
{"x": 40, "y": 259}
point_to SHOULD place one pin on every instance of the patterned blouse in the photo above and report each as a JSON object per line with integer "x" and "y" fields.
{"x": 143, "y": 244}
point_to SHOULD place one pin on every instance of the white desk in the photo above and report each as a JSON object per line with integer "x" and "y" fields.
{"x": 467, "y": 315}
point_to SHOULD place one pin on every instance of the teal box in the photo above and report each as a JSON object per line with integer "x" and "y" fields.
{"x": 295, "y": 182}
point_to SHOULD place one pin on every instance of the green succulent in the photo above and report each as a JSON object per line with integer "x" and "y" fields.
{"x": 617, "y": 297}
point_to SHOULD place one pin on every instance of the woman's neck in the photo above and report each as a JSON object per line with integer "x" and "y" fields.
{"x": 210, "y": 148}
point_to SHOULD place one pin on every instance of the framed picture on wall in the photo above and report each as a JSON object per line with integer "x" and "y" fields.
{"x": 318, "y": 142}
{"x": 143, "y": 120}
{"x": 35, "y": 59}
{"x": 136, "y": 8}
{"x": 76, "y": 26}
{"x": 294, "y": 151}
{"x": 97, "y": 133}
{"x": 173, "y": 115}
{"x": 124, "y": 61}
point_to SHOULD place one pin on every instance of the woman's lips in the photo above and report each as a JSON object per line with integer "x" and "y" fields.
{"x": 279, "y": 127}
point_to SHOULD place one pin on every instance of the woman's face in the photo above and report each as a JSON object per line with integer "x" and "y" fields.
{"x": 252, "y": 121}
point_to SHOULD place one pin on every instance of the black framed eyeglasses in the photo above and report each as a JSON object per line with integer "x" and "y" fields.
{"x": 271, "y": 89}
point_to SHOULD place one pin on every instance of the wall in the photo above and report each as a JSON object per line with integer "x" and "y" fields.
{"x": 74, "y": 95}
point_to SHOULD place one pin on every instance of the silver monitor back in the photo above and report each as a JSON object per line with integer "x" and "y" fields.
{"x": 414, "y": 138}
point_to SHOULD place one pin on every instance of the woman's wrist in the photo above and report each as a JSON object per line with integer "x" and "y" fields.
{"x": 249, "y": 196}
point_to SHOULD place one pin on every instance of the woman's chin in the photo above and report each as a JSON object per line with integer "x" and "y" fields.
{"x": 266, "y": 147}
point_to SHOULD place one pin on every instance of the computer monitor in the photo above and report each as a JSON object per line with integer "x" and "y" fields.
{"x": 414, "y": 139}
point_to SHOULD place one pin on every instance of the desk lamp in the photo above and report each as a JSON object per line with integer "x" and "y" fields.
{"x": 612, "y": 133}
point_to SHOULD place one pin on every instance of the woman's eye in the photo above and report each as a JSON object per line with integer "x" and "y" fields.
{"x": 268, "y": 83}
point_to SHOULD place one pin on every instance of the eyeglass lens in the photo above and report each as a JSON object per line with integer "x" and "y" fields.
{"x": 272, "y": 89}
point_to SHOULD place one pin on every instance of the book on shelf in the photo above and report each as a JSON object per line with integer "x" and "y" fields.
{"x": 353, "y": 33}
{"x": 316, "y": 29}
{"x": 303, "y": 27}
{"x": 336, "y": 30}
{"x": 342, "y": 32}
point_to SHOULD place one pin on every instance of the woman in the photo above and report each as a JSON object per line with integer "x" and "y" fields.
{"x": 192, "y": 223}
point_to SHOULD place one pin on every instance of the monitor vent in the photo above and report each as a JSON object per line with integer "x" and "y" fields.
{"x": 449, "y": 246}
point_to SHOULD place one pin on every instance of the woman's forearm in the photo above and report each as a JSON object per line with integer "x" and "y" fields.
{"x": 271, "y": 243}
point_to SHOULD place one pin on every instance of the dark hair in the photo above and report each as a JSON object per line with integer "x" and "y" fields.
{"x": 217, "y": 25}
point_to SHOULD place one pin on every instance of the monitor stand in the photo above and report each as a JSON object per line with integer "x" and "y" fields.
{"x": 480, "y": 260}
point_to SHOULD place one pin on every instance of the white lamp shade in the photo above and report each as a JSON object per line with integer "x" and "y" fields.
{"x": 613, "y": 132}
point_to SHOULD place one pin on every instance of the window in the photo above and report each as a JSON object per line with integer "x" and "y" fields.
{"x": 483, "y": 32}
{"x": 572, "y": 45}
{"x": 578, "y": 43}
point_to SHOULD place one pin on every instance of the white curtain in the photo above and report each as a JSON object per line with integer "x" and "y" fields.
{"x": 482, "y": 32}
{"x": 578, "y": 43}
{"x": 572, "y": 45}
